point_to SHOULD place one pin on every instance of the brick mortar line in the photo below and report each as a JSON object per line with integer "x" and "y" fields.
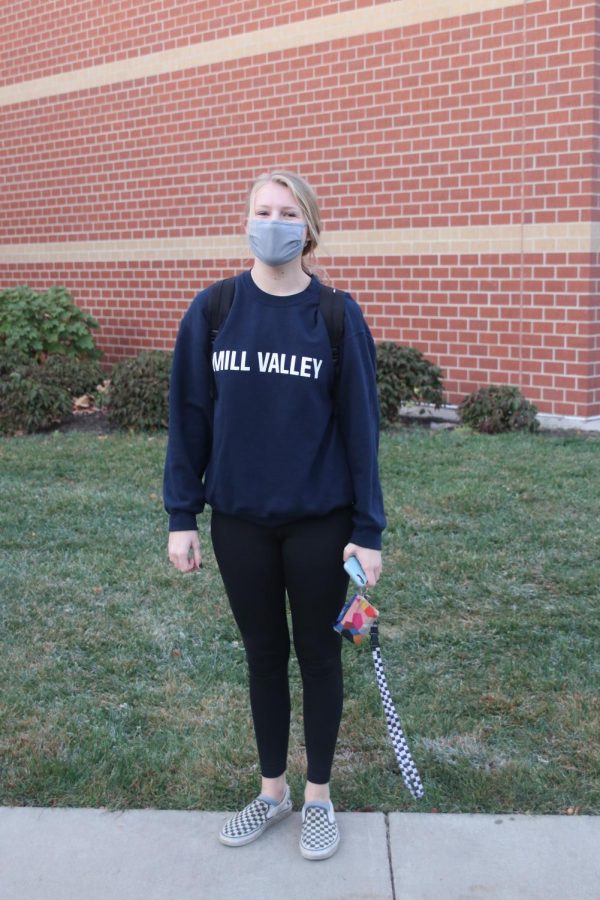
{"x": 580, "y": 237}
{"x": 312, "y": 31}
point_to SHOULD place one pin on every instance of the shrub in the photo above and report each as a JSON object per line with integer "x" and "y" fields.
{"x": 405, "y": 376}
{"x": 27, "y": 404}
{"x": 498, "y": 408}
{"x": 138, "y": 395}
{"x": 37, "y": 325}
{"x": 77, "y": 376}
{"x": 37, "y": 395}
{"x": 10, "y": 360}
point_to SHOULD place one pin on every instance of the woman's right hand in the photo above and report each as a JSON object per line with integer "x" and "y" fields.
{"x": 184, "y": 550}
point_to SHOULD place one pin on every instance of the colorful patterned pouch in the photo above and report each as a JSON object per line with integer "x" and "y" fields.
{"x": 355, "y": 620}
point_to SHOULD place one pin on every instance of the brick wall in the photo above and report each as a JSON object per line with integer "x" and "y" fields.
{"x": 454, "y": 158}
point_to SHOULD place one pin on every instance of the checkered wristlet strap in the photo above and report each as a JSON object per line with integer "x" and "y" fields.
{"x": 408, "y": 769}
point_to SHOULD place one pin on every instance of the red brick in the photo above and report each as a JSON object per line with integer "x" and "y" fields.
{"x": 428, "y": 126}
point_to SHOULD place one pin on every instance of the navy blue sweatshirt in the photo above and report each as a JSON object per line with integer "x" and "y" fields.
{"x": 271, "y": 448}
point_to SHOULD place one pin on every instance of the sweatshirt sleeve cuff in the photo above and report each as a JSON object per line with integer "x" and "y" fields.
{"x": 182, "y": 521}
{"x": 371, "y": 540}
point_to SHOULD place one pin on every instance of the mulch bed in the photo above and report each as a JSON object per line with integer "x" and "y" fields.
{"x": 94, "y": 422}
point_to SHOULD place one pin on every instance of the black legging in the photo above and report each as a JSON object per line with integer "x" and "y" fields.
{"x": 258, "y": 565}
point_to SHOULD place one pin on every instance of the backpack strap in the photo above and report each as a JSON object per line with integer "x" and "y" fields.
{"x": 220, "y": 298}
{"x": 331, "y": 304}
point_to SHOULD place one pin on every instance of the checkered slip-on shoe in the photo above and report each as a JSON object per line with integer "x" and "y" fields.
{"x": 248, "y": 824}
{"x": 320, "y": 836}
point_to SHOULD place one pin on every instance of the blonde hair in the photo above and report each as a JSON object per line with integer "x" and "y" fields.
{"x": 306, "y": 200}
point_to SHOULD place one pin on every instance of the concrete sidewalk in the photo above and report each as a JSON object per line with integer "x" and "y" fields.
{"x": 86, "y": 854}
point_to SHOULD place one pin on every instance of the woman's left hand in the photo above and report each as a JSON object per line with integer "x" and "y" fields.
{"x": 370, "y": 560}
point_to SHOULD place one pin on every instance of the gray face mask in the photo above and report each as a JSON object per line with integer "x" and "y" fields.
{"x": 276, "y": 243}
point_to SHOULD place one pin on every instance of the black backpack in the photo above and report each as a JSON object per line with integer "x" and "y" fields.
{"x": 331, "y": 304}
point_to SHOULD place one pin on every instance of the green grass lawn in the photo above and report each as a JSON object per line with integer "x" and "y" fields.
{"x": 124, "y": 684}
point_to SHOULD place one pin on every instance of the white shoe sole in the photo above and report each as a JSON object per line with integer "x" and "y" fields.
{"x": 320, "y": 854}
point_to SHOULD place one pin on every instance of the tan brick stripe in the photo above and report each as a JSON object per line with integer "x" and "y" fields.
{"x": 368, "y": 20}
{"x": 566, "y": 237}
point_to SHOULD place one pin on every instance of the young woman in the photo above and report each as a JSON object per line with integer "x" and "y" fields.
{"x": 291, "y": 475}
